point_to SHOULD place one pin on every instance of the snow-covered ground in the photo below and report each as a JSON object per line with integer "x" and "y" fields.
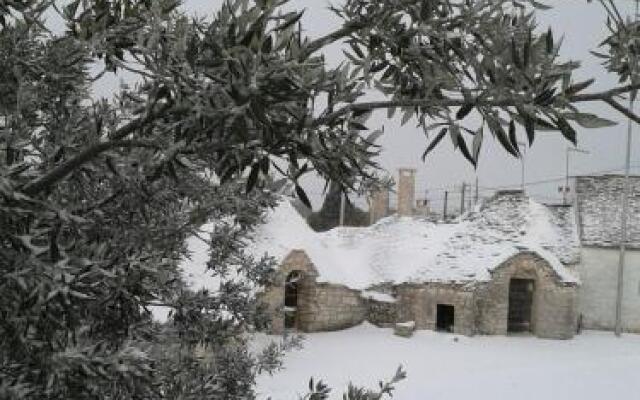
{"x": 593, "y": 365}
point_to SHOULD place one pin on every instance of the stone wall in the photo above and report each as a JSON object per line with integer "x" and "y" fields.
{"x": 599, "y": 207}
{"x": 325, "y": 307}
{"x": 554, "y": 313}
{"x": 321, "y": 307}
{"x": 381, "y": 313}
{"x": 379, "y": 205}
{"x": 419, "y": 303}
{"x": 273, "y": 296}
{"x": 478, "y": 308}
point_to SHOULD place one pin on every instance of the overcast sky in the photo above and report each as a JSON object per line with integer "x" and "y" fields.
{"x": 583, "y": 27}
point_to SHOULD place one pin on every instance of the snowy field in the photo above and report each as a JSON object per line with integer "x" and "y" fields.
{"x": 593, "y": 365}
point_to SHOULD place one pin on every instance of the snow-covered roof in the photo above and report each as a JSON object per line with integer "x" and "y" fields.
{"x": 515, "y": 217}
{"x": 599, "y": 205}
{"x": 412, "y": 249}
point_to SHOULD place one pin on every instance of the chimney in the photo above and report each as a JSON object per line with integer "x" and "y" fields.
{"x": 406, "y": 191}
{"x": 379, "y": 205}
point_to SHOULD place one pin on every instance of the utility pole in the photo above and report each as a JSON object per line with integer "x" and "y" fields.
{"x": 462, "y": 198}
{"x": 566, "y": 179}
{"x": 342, "y": 207}
{"x": 624, "y": 216}
{"x": 342, "y": 193}
{"x": 522, "y": 173}
{"x": 446, "y": 198}
{"x": 524, "y": 152}
{"x": 476, "y": 195}
{"x": 623, "y": 231}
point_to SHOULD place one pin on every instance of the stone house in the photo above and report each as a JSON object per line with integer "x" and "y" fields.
{"x": 598, "y": 207}
{"x": 508, "y": 266}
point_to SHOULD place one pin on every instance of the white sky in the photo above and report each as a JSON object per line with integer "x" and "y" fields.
{"x": 583, "y": 27}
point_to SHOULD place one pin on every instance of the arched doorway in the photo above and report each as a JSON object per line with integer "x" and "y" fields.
{"x": 520, "y": 305}
{"x": 291, "y": 287}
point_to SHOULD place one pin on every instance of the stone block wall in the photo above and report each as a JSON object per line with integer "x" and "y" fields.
{"x": 419, "y": 303}
{"x": 557, "y": 314}
{"x": 381, "y": 313}
{"x": 321, "y": 307}
{"x": 379, "y": 205}
{"x": 481, "y": 307}
{"x": 554, "y": 313}
{"x": 325, "y": 307}
{"x": 273, "y": 296}
{"x": 599, "y": 206}
{"x": 406, "y": 191}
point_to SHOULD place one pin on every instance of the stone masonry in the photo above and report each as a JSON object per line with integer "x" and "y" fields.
{"x": 379, "y": 205}
{"x": 321, "y": 307}
{"x": 599, "y": 209}
{"x": 331, "y": 307}
{"x": 599, "y": 217}
{"x": 273, "y": 296}
{"x": 554, "y": 313}
{"x": 406, "y": 191}
{"x": 381, "y": 313}
{"x": 479, "y": 307}
{"x": 419, "y": 302}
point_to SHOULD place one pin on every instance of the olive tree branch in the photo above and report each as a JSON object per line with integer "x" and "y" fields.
{"x": 61, "y": 171}
{"x": 430, "y": 102}
{"x": 622, "y": 109}
{"x": 601, "y": 96}
{"x": 100, "y": 204}
{"x": 604, "y": 96}
{"x": 325, "y": 40}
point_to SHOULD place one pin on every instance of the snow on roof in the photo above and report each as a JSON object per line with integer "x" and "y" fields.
{"x": 513, "y": 216}
{"x": 412, "y": 249}
{"x": 405, "y": 249}
{"x": 599, "y": 205}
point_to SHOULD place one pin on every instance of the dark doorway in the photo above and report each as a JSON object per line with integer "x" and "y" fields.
{"x": 291, "y": 299}
{"x": 445, "y": 317}
{"x": 520, "y": 305}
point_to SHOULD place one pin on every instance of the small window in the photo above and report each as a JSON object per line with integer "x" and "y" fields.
{"x": 445, "y": 317}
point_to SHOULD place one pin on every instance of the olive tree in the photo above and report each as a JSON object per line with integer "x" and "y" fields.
{"x": 97, "y": 196}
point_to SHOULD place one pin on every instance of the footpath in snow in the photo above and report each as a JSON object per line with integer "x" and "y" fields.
{"x": 592, "y": 366}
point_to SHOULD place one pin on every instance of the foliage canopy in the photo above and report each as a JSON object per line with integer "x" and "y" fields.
{"x": 97, "y": 196}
